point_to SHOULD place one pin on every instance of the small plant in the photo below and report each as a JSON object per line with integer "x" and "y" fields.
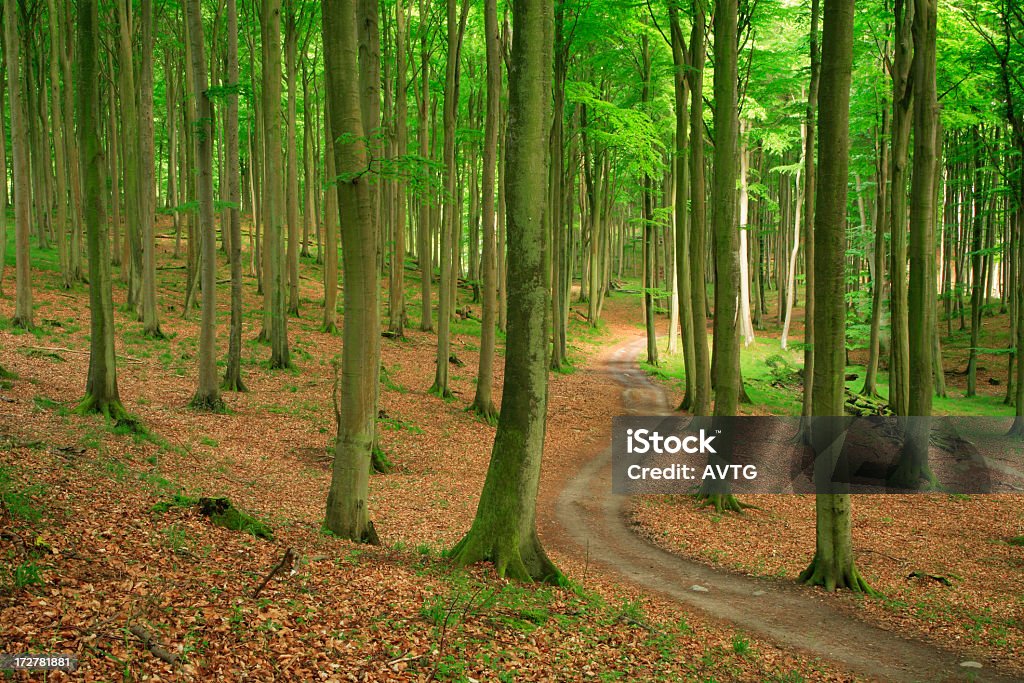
{"x": 27, "y": 574}
{"x": 740, "y": 645}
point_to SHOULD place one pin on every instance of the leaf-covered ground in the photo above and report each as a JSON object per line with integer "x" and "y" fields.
{"x": 96, "y": 535}
{"x": 909, "y": 547}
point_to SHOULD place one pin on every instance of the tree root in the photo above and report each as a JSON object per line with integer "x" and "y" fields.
{"x": 210, "y": 403}
{"x": 487, "y": 413}
{"x": 112, "y": 410}
{"x": 818, "y": 573}
{"x": 523, "y": 562}
{"x": 723, "y": 502}
{"x": 441, "y": 392}
{"x": 233, "y": 384}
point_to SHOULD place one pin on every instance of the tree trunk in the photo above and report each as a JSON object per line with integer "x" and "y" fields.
{"x": 723, "y": 197}
{"x": 19, "y": 149}
{"x": 650, "y": 264}
{"x": 833, "y": 565}
{"x": 101, "y": 395}
{"x": 207, "y": 396}
{"x": 425, "y": 255}
{"x": 147, "y": 198}
{"x": 396, "y": 289}
{"x": 331, "y": 216}
{"x": 701, "y": 384}
{"x": 356, "y": 392}
{"x": 809, "y": 200}
{"x": 449, "y": 217}
{"x": 233, "y": 372}
{"x": 903, "y": 97}
{"x": 291, "y": 40}
{"x": 878, "y": 281}
{"x": 483, "y": 403}
{"x": 273, "y": 212}
{"x": 913, "y": 465}
{"x": 504, "y": 530}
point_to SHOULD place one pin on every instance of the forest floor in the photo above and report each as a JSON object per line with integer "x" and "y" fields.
{"x": 97, "y": 533}
{"x": 973, "y": 543}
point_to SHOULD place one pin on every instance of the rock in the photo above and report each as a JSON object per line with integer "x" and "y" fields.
{"x": 758, "y": 594}
{"x": 698, "y": 589}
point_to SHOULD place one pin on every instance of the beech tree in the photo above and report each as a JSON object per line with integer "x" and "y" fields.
{"x": 833, "y": 564}
{"x": 101, "y": 393}
{"x": 19, "y": 151}
{"x": 482, "y": 402}
{"x": 356, "y": 391}
{"x": 207, "y": 396}
{"x": 504, "y": 531}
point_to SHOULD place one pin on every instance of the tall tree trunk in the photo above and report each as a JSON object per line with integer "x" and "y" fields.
{"x": 809, "y": 200}
{"x": 74, "y": 173}
{"x": 833, "y": 565}
{"x": 19, "y": 149}
{"x": 356, "y": 392}
{"x": 746, "y": 325}
{"x": 330, "y": 324}
{"x": 273, "y": 211}
{"x": 701, "y": 384}
{"x": 396, "y": 287}
{"x": 131, "y": 165}
{"x": 291, "y": 40}
{"x": 3, "y": 173}
{"x": 101, "y": 395}
{"x": 233, "y": 372}
{"x": 425, "y": 253}
{"x": 59, "y": 149}
{"x": 913, "y": 465}
{"x": 450, "y": 216}
{"x": 482, "y": 403}
{"x": 878, "y": 281}
{"x": 902, "y": 101}
{"x": 723, "y": 198}
{"x": 207, "y": 396}
{"x": 147, "y": 197}
{"x": 650, "y": 264}
{"x": 504, "y": 530}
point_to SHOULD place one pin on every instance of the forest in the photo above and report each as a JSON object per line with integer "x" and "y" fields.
{"x": 315, "y": 318}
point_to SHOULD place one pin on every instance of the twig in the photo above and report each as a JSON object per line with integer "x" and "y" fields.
{"x": 61, "y": 349}
{"x": 406, "y": 658}
{"x": 286, "y": 564}
{"x": 155, "y": 648}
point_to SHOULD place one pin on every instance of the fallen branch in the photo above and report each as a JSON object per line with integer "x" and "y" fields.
{"x": 155, "y": 648}
{"x": 934, "y": 577}
{"x": 286, "y": 564}
{"x": 406, "y": 658}
{"x": 61, "y": 349}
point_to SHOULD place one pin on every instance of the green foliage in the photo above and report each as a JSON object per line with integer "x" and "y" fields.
{"x": 17, "y": 497}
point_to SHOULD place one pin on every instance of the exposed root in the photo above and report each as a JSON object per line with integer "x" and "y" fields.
{"x": 233, "y": 384}
{"x": 819, "y": 573}
{"x": 113, "y": 412}
{"x": 441, "y": 392}
{"x": 523, "y": 562}
{"x": 211, "y": 403}
{"x": 488, "y": 413}
{"x": 723, "y": 502}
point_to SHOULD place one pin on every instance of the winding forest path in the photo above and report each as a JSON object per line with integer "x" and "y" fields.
{"x": 593, "y": 518}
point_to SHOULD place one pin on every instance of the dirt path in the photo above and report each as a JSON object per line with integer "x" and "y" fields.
{"x": 593, "y": 518}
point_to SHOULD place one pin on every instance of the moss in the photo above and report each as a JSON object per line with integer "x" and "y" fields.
{"x": 223, "y": 513}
